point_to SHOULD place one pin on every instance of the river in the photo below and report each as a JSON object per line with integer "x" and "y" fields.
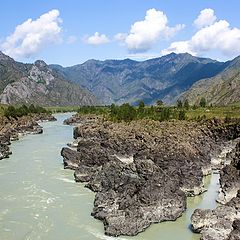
{"x": 39, "y": 200}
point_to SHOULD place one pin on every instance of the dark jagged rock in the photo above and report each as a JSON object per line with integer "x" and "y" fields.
{"x": 230, "y": 177}
{"x": 143, "y": 171}
{"x": 11, "y": 129}
{"x": 130, "y": 199}
{"x": 219, "y": 224}
{"x": 222, "y": 223}
{"x": 235, "y": 234}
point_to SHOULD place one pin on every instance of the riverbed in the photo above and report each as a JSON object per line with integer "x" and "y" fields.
{"x": 39, "y": 200}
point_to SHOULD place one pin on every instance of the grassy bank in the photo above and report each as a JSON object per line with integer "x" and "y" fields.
{"x": 126, "y": 112}
{"x": 17, "y": 111}
{"x": 2, "y": 109}
{"x": 63, "y": 109}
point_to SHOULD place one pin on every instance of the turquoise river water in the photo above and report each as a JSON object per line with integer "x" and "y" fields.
{"x": 40, "y": 200}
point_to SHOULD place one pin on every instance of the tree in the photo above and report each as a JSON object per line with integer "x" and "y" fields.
{"x": 165, "y": 114}
{"x": 10, "y": 111}
{"x": 141, "y": 107}
{"x": 203, "y": 102}
{"x": 127, "y": 112}
{"x": 179, "y": 104}
{"x": 182, "y": 115}
{"x": 159, "y": 103}
{"x": 186, "y": 104}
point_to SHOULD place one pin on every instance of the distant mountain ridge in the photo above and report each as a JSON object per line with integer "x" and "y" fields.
{"x": 222, "y": 89}
{"x": 38, "y": 84}
{"x": 119, "y": 81}
{"x": 171, "y": 77}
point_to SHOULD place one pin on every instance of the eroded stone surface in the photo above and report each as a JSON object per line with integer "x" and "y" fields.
{"x": 168, "y": 164}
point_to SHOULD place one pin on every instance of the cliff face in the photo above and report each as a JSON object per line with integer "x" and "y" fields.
{"x": 38, "y": 84}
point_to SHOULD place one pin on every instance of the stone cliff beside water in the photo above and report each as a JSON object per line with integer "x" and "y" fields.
{"x": 11, "y": 129}
{"x": 143, "y": 171}
{"x": 223, "y": 223}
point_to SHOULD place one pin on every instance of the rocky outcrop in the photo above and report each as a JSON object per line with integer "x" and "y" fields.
{"x": 38, "y": 84}
{"x": 230, "y": 177}
{"x": 235, "y": 233}
{"x": 132, "y": 197}
{"x": 143, "y": 171}
{"x": 11, "y": 129}
{"x": 221, "y": 223}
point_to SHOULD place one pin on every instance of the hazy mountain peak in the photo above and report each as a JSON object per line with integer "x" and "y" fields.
{"x": 40, "y": 64}
{"x": 4, "y": 57}
{"x": 38, "y": 84}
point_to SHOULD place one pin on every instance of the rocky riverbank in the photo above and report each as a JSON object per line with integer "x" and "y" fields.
{"x": 11, "y": 129}
{"x": 143, "y": 171}
{"x": 223, "y": 223}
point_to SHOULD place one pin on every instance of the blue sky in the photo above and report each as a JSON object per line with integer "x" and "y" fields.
{"x": 72, "y": 31}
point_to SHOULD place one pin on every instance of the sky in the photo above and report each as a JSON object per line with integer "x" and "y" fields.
{"x": 70, "y": 32}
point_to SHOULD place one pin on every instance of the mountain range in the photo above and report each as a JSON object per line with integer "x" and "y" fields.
{"x": 38, "y": 84}
{"x": 171, "y": 77}
{"x": 119, "y": 81}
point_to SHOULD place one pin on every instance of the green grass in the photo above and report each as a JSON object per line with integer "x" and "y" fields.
{"x": 214, "y": 112}
{"x": 236, "y": 104}
{"x": 232, "y": 111}
{"x": 190, "y": 114}
{"x": 63, "y": 109}
{"x": 2, "y": 108}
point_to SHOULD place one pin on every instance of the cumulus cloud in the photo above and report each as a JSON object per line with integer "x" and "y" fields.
{"x": 120, "y": 37}
{"x": 33, "y": 35}
{"x": 205, "y": 18}
{"x": 144, "y": 34}
{"x": 97, "y": 39}
{"x": 179, "y": 47}
{"x": 219, "y": 36}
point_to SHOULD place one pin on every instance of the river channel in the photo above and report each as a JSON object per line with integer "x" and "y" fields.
{"x": 39, "y": 200}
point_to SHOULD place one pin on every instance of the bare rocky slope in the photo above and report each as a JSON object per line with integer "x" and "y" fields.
{"x": 38, "y": 84}
{"x": 222, "y": 89}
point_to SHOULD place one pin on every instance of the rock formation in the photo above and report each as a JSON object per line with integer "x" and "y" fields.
{"x": 143, "y": 171}
{"x": 11, "y": 129}
{"x": 222, "y": 223}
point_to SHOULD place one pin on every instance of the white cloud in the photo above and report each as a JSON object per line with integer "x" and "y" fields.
{"x": 205, "y": 18}
{"x": 219, "y": 36}
{"x": 120, "y": 37}
{"x": 179, "y": 47}
{"x": 33, "y": 35}
{"x": 144, "y": 34}
{"x": 97, "y": 39}
{"x": 71, "y": 39}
